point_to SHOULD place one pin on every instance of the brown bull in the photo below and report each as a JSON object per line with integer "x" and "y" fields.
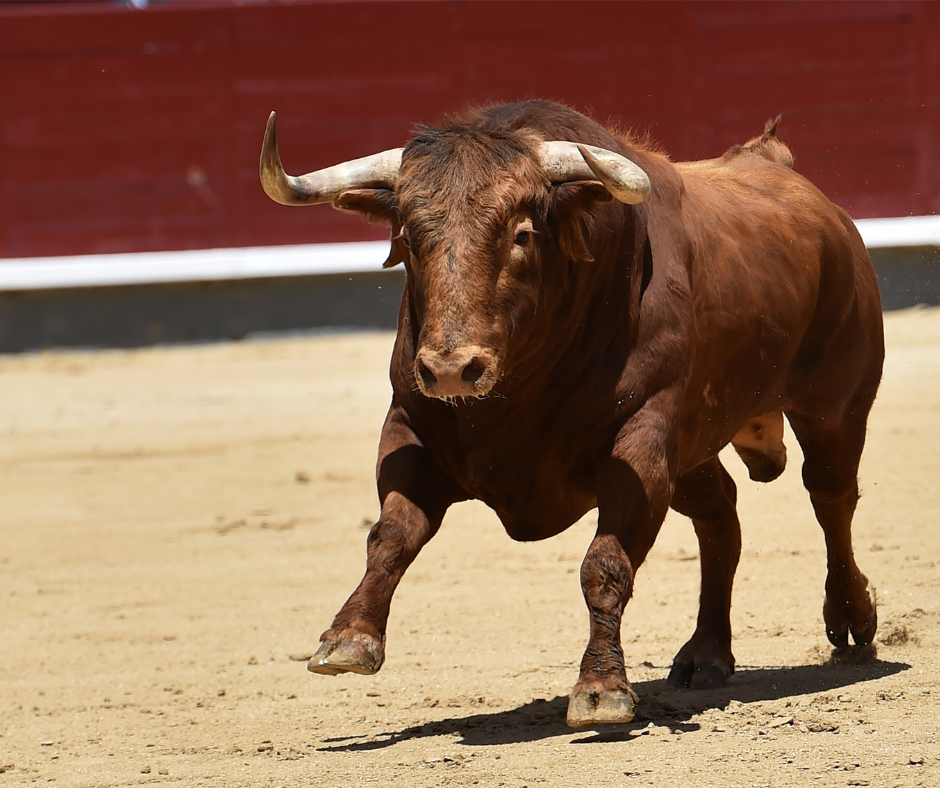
{"x": 587, "y": 327}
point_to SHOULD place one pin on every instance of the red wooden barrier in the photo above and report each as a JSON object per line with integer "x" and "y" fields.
{"x": 132, "y": 130}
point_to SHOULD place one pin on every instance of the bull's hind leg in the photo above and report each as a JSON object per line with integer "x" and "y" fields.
{"x": 832, "y": 449}
{"x": 707, "y": 495}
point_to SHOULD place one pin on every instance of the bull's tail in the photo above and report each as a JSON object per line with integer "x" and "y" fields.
{"x": 768, "y": 146}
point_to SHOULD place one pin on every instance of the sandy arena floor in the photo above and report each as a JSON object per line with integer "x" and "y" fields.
{"x": 177, "y": 526}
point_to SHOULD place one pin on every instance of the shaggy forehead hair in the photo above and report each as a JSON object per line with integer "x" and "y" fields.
{"x": 471, "y": 171}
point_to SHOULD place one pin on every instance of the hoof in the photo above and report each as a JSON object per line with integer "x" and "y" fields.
{"x": 838, "y": 637}
{"x": 684, "y": 675}
{"x": 863, "y": 633}
{"x": 710, "y": 676}
{"x": 680, "y": 674}
{"x": 598, "y": 706}
{"x": 704, "y": 662}
{"x": 361, "y": 655}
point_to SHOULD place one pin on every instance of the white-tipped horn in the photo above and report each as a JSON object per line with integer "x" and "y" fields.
{"x": 569, "y": 161}
{"x": 379, "y": 171}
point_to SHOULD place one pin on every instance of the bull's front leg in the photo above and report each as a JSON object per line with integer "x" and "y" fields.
{"x": 415, "y": 495}
{"x": 633, "y": 496}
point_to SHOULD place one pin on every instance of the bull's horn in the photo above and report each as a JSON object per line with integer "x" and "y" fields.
{"x": 379, "y": 170}
{"x": 569, "y": 161}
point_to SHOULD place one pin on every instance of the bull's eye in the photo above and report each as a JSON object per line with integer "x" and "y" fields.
{"x": 405, "y": 239}
{"x": 522, "y": 238}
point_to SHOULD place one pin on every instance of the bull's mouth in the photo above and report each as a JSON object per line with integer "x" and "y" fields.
{"x": 467, "y": 372}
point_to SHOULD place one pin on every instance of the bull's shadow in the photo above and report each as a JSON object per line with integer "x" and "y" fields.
{"x": 659, "y": 703}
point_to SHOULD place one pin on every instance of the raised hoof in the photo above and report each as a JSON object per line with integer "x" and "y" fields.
{"x": 598, "y": 706}
{"x": 363, "y": 656}
{"x": 684, "y": 675}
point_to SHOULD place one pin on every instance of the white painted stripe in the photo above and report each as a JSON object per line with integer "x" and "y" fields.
{"x": 36, "y": 273}
{"x": 900, "y": 232}
{"x": 33, "y": 273}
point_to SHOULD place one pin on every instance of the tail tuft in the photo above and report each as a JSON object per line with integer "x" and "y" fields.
{"x": 767, "y": 145}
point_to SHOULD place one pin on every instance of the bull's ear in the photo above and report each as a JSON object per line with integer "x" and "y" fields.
{"x": 569, "y": 211}
{"x": 379, "y": 206}
{"x": 399, "y": 252}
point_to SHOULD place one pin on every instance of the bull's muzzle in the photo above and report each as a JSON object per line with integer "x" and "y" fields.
{"x": 464, "y": 372}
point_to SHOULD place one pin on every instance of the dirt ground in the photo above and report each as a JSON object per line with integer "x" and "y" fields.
{"x": 177, "y": 526}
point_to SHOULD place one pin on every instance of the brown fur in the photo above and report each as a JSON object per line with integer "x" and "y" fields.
{"x": 618, "y": 349}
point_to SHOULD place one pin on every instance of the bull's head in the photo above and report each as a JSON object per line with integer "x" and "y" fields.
{"x": 475, "y": 214}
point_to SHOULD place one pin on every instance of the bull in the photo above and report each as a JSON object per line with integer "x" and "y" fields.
{"x": 587, "y": 324}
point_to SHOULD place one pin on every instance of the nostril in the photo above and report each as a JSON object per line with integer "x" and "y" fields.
{"x": 472, "y": 372}
{"x": 427, "y": 377}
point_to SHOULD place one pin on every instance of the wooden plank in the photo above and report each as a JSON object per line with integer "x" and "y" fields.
{"x": 129, "y": 130}
{"x": 928, "y": 84}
